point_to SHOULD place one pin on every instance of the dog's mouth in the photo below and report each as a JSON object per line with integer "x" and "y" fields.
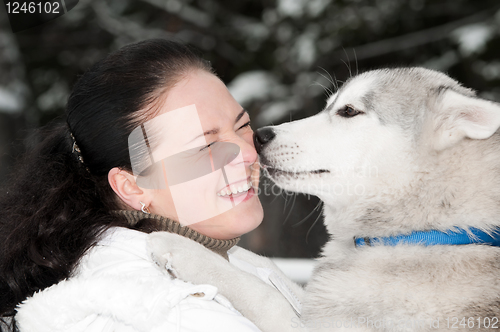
{"x": 275, "y": 172}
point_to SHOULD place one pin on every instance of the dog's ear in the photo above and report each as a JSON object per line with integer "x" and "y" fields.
{"x": 462, "y": 116}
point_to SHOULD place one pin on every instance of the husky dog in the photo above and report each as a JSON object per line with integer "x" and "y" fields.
{"x": 407, "y": 163}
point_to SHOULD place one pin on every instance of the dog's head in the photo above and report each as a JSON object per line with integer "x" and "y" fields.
{"x": 376, "y": 134}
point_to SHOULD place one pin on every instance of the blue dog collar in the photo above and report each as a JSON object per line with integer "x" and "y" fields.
{"x": 431, "y": 238}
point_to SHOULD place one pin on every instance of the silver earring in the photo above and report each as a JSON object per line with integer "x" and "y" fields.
{"x": 144, "y": 208}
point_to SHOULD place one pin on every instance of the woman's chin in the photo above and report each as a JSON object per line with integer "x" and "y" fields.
{"x": 241, "y": 219}
{"x": 248, "y": 218}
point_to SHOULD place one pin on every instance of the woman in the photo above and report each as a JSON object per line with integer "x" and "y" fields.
{"x": 76, "y": 217}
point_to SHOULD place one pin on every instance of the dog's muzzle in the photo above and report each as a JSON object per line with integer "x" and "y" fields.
{"x": 262, "y": 136}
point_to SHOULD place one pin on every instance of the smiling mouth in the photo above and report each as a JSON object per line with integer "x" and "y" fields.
{"x": 235, "y": 189}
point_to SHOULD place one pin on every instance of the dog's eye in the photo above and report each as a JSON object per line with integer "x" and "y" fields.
{"x": 348, "y": 111}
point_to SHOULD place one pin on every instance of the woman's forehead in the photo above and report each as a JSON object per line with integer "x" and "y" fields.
{"x": 211, "y": 97}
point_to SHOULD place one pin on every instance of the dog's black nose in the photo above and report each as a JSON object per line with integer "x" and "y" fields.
{"x": 263, "y": 136}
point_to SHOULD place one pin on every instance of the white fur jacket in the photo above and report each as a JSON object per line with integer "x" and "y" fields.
{"x": 117, "y": 287}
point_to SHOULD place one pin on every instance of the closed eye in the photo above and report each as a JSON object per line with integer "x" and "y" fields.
{"x": 245, "y": 125}
{"x": 207, "y": 146}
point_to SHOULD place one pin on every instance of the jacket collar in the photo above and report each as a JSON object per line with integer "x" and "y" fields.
{"x": 169, "y": 225}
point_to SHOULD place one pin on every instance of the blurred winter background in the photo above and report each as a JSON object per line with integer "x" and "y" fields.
{"x": 276, "y": 56}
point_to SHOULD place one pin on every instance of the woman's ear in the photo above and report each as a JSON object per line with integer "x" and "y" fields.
{"x": 125, "y": 186}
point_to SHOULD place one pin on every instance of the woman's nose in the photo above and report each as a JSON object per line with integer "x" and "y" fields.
{"x": 247, "y": 150}
{"x": 249, "y": 153}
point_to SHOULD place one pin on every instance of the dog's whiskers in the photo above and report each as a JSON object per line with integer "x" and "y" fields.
{"x": 314, "y": 223}
{"x": 291, "y": 208}
{"x": 307, "y": 217}
{"x": 286, "y": 200}
{"x": 336, "y": 83}
{"x": 348, "y": 67}
{"x": 265, "y": 178}
{"x": 348, "y": 64}
{"x": 328, "y": 91}
{"x": 330, "y": 79}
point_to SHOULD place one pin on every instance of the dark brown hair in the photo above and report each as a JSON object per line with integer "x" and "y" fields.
{"x": 55, "y": 208}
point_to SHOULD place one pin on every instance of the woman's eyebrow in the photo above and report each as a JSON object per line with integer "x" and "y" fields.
{"x": 243, "y": 111}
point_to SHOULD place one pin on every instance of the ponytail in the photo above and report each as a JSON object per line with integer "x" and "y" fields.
{"x": 50, "y": 216}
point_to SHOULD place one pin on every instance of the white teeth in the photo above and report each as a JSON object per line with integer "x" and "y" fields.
{"x": 235, "y": 190}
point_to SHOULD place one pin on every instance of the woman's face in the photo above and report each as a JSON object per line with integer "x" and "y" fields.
{"x": 222, "y": 121}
